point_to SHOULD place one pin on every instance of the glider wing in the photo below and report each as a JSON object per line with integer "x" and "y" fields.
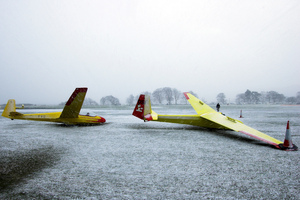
{"x": 74, "y": 104}
{"x": 210, "y": 114}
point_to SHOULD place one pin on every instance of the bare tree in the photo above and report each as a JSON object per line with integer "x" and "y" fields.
{"x": 176, "y": 94}
{"x": 183, "y": 99}
{"x": 130, "y": 100}
{"x": 158, "y": 95}
{"x": 146, "y": 93}
{"x": 221, "y": 98}
{"x": 291, "y": 100}
{"x": 168, "y": 94}
{"x": 264, "y": 97}
{"x": 110, "y": 100}
{"x": 255, "y": 97}
{"x": 193, "y": 93}
{"x": 298, "y": 97}
{"x": 240, "y": 98}
{"x": 275, "y": 97}
{"x": 89, "y": 102}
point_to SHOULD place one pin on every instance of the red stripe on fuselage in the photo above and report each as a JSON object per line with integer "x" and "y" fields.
{"x": 72, "y": 97}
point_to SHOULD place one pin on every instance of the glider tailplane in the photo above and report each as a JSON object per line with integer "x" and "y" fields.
{"x": 143, "y": 109}
{"x": 9, "y": 108}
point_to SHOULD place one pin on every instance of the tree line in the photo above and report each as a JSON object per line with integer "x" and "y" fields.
{"x": 270, "y": 97}
{"x": 173, "y": 96}
{"x": 170, "y": 96}
{"x": 164, "y": 95}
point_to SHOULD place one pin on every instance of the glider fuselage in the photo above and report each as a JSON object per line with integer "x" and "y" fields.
{"x": 70, "y": 114}
{"x": 55, "y": 117}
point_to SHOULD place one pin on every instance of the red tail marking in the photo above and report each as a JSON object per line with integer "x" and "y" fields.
{"x": 139, "y": 108}
{"x": 72, "y": 97}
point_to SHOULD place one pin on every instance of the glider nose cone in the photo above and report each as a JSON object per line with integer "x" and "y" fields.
{"x": 101, "y": 120}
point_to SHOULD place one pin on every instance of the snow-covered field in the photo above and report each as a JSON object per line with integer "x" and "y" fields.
{"x": 129, "y": 159}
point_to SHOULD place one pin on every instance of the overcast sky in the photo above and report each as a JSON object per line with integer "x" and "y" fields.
{"x": 48, "y": 48}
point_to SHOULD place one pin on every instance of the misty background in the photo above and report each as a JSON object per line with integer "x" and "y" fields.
{"x": 119, "y": 48}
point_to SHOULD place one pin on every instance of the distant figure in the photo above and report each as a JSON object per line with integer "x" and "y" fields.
{"x": 218, "y": 107}
{"x": 87, "y": 114}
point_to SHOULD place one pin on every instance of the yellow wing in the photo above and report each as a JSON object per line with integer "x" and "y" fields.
{"x": 74, "y": 104}
{"x": 210, "y": 114}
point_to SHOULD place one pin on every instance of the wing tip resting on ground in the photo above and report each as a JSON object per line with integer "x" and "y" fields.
{"x": 275, "y": 143}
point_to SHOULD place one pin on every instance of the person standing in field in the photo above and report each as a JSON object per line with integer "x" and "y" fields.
{"x": 218, "y": 107}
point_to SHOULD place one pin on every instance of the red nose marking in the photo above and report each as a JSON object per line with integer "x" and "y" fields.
{"x": 102, "y": 120}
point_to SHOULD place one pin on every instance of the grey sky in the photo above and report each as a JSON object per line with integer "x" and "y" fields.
{"x": 48, "y": 48}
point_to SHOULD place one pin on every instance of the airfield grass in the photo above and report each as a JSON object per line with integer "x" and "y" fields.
{"x": 129, "y": 159}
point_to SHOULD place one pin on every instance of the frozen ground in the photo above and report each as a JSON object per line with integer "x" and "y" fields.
{"x": 129, "y": 159}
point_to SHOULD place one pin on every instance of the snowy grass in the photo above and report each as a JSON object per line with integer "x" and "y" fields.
{"x": 129, "y": 159}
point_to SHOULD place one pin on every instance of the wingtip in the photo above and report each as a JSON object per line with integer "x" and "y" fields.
{"x": 266, "y": 140}
{"x": 186, "y": 95}
{"x": 293, "y": 147}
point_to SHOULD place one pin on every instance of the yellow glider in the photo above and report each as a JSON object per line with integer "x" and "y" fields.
{"x": 70, "y": 114}
{"x": 206, "y": 117}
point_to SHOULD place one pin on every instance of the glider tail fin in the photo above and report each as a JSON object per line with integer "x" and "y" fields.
{"x": 10, "y": 107}
{"x": 74, "y": 104}
{"x": 139, "y": 107}
{"x": 143, "y": 109}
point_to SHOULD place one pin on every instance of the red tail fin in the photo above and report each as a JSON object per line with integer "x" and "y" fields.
{"x": 139, "y": 108}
